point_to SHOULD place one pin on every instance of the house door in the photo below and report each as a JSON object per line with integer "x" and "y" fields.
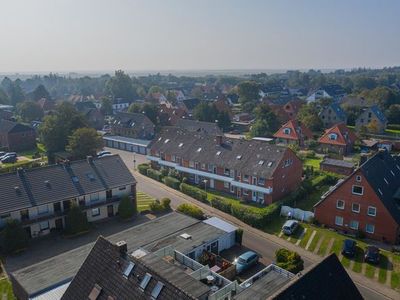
{"x": 59, "y": 224}
{"x": 214, "y": 247}
{"x": 254, "y": 196}
{"x": 28, "y": 231}
{"x": 110, "y": 211}
{"x": 211, "y": 183}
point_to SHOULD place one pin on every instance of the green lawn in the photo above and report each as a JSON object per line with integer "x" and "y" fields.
{"x": 6, "y": 289}
{"x": 370, "y": 271}
{"x": 383, "y": 266}
{"x": 393, "y": 131}
{"x": 308, "y": 202}
{"x": 395, "y": 280}
{"x": 312, "y": 162}
{"x": 143, "y": 201}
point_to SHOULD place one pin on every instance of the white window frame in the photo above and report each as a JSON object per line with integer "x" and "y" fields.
{"x": 373, "y": 228}
{"x": 286, "y": 131}
{"x": 358, "y": 178}
{"x": 97, "y": 210}
{"x": 337, "y": 204}
{"x": 191, "y": 164}
{"x": 352, "y": 207}
{"x": 227, "y": 172}
{"x": 245, "y": 192}
{"x": 45, "y": 227}
{"x": 261, "y": 181}
{"x": 226, "y": 185}
{"x": 43, "y": 209}
{"x": 354, "y": 193}
{"x": 246, "y": 178}
{"x": 336, "y": 221}
{"x": 371, "y": 207}
{"x": 232, "y": 188}
{"x": 354, "y": 227}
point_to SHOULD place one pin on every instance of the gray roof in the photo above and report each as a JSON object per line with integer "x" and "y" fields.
{"x": 7, "y": 126}
{"x": 129, "y": 120}
{"x": 237, "y": 154}
{"x": 31, "y": 187}
{"x": 337, "y": 162}
{"x": 378, "y": 113}
{"x": 127, "y": 140}
{"x": 198, "y": 126}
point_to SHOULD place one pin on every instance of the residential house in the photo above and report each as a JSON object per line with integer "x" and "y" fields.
{"x": 120, "y": 104}
{"x": 332, "y": 114}
{"x": 46, "y": 105}
{"x": 349, "y": 101}
{"x": 16, "y": 136}
{"x": 367, "y": 201}
{"x": 287, "y": 110}
{"x": 293, "y": 133}
{"x": 188, "y": 105}
{"x": 94, "y": 117}
{"x": 338, "y": 139}
{"x": 337, "y": 166}
{"x": 332, "y": 91}
{"x": 41, "y": 197}
{"x": 252, "y": 170}
{"x": 223, "y": 105}
{"x": 6, "y": 115}
{"x": 133, "y": 125}
{"x": 199, "y": 126}
{"x": 371, "y": 119}
{"x": 170, "y": 115}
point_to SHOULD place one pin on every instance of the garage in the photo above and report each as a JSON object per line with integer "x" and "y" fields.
{"x": 126, "y": 143}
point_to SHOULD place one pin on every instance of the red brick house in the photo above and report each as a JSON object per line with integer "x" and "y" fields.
{"x": 367, "y": 201}
{"x": 170, "y": 115}
{"x": 337, "y": 139}
{"x": 16, "y": 137}
{"x": 293, "y": 133}
{"x": 252, "y": 170}
{"x": 287, "y": 111}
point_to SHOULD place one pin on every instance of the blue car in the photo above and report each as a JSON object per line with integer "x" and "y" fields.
{"x": 245, "y": 261}
{"x": 349, "y": 248}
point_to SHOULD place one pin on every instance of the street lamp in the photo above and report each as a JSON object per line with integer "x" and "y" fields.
{"x": 134, "y": 161}
{"x": 205, "y": 185}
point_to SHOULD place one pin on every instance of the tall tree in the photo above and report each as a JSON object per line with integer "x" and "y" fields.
{"x": 135, "y": 108}
{"x": 84, "y": 141}
{"x": 106, "y": 106}
{"x": 248, "y": 95}
{"x": 121, "y": 86}
{"x": 29, "y": 111}
{"x": 308, "y": 116}
{"x": 393, "y": 114}
{"x": 266, "y": 122}
{"x": 151, "y": 111}
{"x": 40, "y": 92}
{"x": 16, "y": 94}
{"x": 4, "y": 99}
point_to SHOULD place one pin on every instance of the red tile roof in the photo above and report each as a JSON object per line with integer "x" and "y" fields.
{"x": 294, "y": 133}
{"x": 341, "y": 130}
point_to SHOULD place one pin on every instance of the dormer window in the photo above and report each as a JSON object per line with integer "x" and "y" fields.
{"x": 286, "y": 131}
{"x": 358, "y": 178}
{"x": 218, "y": 153}
{"x": 333, "y": 136}
{"x": 166, "y": 141}
{"x": 239, "y": 157}
{"x": 180, "y": 145}
{"x": 198, "y": 150}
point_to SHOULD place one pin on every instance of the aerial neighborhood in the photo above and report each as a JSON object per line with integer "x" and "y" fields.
{"x": 220, "y": 187}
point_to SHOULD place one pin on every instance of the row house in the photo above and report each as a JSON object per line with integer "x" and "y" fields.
{"x": 41, "y": 197}
{"x": 250, "y": 170}
{"x": 367, "y": 201}
{"x": 133, "y": 125}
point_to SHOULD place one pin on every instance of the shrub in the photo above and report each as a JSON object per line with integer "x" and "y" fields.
{"x": 143, "y": 168}
{"x": 76, "y": 221}
{"x": 191, "y": 210}
{"x": 156, "y": 175}
{"x": 164, "y": 171}
{"x": 174, "y": 173}
{"x": 193, "y": 192}
{"x": 239, "y": 236}
{"x": 126, "y": 208}
{"x": 166, "y": 203}
{"x": 156, "y": 206}
{"x": 313, "y": 144}
{"x": 221, "y": 204}
{"x": 13, "y": 237}
{"x": 172, "y": 182}
{"x": 289, "y": 260}
{"x": 247, "y": 215}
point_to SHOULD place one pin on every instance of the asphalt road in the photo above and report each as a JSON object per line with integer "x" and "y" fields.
{"x": 265, "y": 247}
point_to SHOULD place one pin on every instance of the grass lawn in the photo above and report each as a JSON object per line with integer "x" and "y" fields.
{"x": 311, "y": 199}
{"x": 6, "y": 289}
{"x": 345, "y": 262}
{"x": 370, "y": 271}
{"x": 312, "y": 162}
{"x": 393, "y": 131}
{"x": 358, "y": 260}
{"x": 395, "y": 280}
{"x": 324, "y": 246}
{"x": 143, "y": 201}
{"x": 314, "y": 242}
{"x": 383, "y": 266}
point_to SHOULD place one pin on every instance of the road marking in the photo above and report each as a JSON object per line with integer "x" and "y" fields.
{"x": 301, "y": 236}
{"x": 330, "y": 245}
{"x": 319, "y": 244}
{"x": 280, "y": 234}
{"x": 311, "y": 239}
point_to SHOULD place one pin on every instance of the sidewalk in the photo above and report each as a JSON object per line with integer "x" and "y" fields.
{"x": 359, "y": 279}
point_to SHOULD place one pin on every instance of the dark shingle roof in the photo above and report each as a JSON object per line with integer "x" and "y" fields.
{"x": 131, "y": 120}
{"x": 186, "y": 145}
{"x": 378, "y": 113}
{"x": 54, "y": 183}
{"x": 327, "y": 280}
{"x": 191, "y": 103}
{"x": 198, "y": 126}
{"x": 7, "y": 126}
{"x": 105, "y": 266}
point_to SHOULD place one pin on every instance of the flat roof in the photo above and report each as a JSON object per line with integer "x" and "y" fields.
{"x": 337, "y": 162}
{"x": 53, "y": 294}
{"x": 220, "y": 224}
{"x": 152, "y": 235}
{"x": 127, "y": 140}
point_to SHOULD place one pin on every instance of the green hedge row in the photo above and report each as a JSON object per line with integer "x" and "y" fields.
{"x": 143, "y": 168}
{"x": 191, "y": 210}
{"x": 154, "y": 174}
{"x": 172, "y": 182}
{"x": 193, "y": 192}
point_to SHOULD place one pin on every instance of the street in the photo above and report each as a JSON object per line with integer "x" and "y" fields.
{"x": 254, "y": 239}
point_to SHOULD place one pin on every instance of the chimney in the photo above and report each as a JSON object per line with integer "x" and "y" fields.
{"x": 122, "y": 247}
{"x": 218, "y": 140}
{"x": 89, "y": 159}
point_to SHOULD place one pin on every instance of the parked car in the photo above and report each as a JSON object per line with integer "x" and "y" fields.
{"x": 9, "y": 159}
{"x": 290, "y": 227}
{"x": 8, "y": 154}
{"x": 245, "y": 261}
{"x": 103, "y": 153}
{"x": 2, "y": 153}
{"x": 372, "y": 254}
{"x": 349, "y": 248}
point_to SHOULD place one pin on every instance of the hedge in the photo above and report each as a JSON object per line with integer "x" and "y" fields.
{"x": 154, "y": 174}
{"x": 193, "y": 192}
{"x": 221, "y": 204}
{"x": 191, "y": 210}
{"x": 289, "y": 260}
{"x": 172, "y": 182}
{"x": 143, "y": 168}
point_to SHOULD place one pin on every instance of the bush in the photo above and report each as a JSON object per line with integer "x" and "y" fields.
{"x": 164, "y": 171}
{"x": 247, "y": 215}
{"x": 126, "y": 208}
{"x": 172, "y": 182}
{"x": 143, "y": 168}
{"x": 76, "y": 221}
{"x": 239, "y": 236}
{"x": 221, "y": 204}
{"x": 13, "y": 237}
{"x": 289, "y": 260}
{"x": 156, "y": 206}
{"x": 174, "y": 173}
{"x": 156, "y": 175}
{"x": 193, "y": 192}
{"x": 166, "y": 203}
{"x": 191, "y": 210}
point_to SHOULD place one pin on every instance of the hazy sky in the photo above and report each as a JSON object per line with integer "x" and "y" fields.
{"x": 100, "y": 35}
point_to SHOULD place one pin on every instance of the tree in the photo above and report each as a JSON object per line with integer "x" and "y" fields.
{"x": 14, "y": 237}
{"x": 76, "y": 221}
{"x": 106, "y": 106}
{"x": 224, "y": 120}
{"x": 308, "y": 116}
{"x": 393, "y": 114}
{"x": 191, "y": 210}
{"x": 382, "y": 96}
{"x": 84, "y": 141}
{"x": 352, "y": 113}
{"x": 126, "y": 208}
{"x": 135, "y": 108}
{"x": 289, "y": 260}
{"x": 40, "y": 92}
{"x": 248, "y": 95}
{"x": 4, "y": 99}
{"x": 15, "y": 93}
{"x": 155, "y": 89}
{"x": 151, "y": 111}
{"x": 29, "y": 111}
{"x": 266, "y": 122}
{"x": 205, "y": 112}
{"x": 121, "y": 86}
{"x": 56, "y": 128}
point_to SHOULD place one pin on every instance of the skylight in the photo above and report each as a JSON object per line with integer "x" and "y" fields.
{"x": 180, "y": 145}
{"x": 270, "y": 164}
{"x": 75, "y": 179}
{"x": 380, "y": 192}
{"x": 198, "y": 150}
{"x": 91, "y": 176}
{"x": 239, "y": 157}
{"x": 387, "y": 182}
{"x": 392, "y": 173}
{"x": 261, "y": 162}
{"x": 160, "y": 138}
{"x": 166, "y": 141}
{"x": 145, "y": 281}
{"x": 129, "y": 269}
{"x": 157, "y": 290}
{"x": 219, "y": 153}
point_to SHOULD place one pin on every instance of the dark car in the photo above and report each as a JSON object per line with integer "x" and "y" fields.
{"x": 349, "y": 248}
{"x": 8, "y": 154}
{"x": 9, "y": 159}
{"x": 372, "y": 254}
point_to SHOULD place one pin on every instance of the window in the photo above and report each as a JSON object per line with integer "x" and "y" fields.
{"x": 261, "y": 181}
{"x": 358, "y": 190}
{"x": 166, "y": 141}
{"x": 129, "y": 269}
{"x": 95, "y": 212}
{"x": 43, "y": 209}
{"x": 180, "y": 145}
{"x": 270, "y": 164}
{"x": 145, "y": 281}
{"x": 173, "y": 158}
{"x": 340, "y": 204}
{"x": 44, "y": 225}
{"x": 239, "y": 157}
{"x": 246, "y": 178}
{"x": 354, "y": 225}
{"x": 286, "y": 130}
{"x": 5, "y": 216}
{"x": 245, "y": 192}
{"x": 333, "y": 136}
{"x": 157, "y": 290}
{"x": 203, "y": 166}
{"x": 227, "y": 172}
{"x": 199, "y": 149}
{"x": 371, "y": 211}
{"x": 218, "y": 153}
{"x": 226, "y": 185}
{"x": 122, "y": 188}
{"x": 369, "y": 228}
{"x": 191, "y": 164}
{"x": 339, "y": 221}
{"x": 232, "y": 189}
{"x": 358, "y": 178}
{"x": 261, "y": 162}
{"x": 355, "y": 207}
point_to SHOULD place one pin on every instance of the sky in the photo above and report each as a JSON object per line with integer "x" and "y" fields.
{"x": 105, "y": 35}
